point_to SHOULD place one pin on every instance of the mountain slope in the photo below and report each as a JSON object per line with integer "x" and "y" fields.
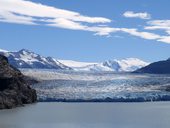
{"x": 160, "y": 67}
{"x": 27, "y": 59}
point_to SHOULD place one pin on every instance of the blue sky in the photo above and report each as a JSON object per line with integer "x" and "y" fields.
{"x": 87, "y": 30}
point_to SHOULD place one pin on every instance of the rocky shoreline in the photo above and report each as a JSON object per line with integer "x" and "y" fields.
{"x": 14, "y": 87}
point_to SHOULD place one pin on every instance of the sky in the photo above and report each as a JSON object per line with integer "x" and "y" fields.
{"x": 87, "y": 30}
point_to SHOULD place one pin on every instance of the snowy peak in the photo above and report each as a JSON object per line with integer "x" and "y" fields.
{"x": 25, "y": 51}
{"x": 132, "y": 61}
{"x": 124, "y": 65}
{"x": 113, "y": 65}
{"x": 131, "y": 64}
{"x": 1, "y": 50}
{"x": 28, "y": 59}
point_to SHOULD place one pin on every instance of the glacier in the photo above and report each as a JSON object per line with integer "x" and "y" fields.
{"x": 73, "y": 86}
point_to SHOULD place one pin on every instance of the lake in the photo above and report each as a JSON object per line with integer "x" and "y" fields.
{"x": 88, "y": 115}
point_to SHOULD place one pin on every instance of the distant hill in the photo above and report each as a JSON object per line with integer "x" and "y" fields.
{"x": 160, "y": 67}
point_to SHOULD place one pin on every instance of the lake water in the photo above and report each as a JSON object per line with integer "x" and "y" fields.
{"x": 88, "y": 115}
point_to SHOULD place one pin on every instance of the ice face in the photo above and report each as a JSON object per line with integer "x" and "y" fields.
{"x": 90, "y": 86}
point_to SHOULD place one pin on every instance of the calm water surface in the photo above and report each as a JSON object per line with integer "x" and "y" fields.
{"x": 88, "y": 115}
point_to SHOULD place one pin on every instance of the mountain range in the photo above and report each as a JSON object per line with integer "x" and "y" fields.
{"x": 124, "y": 65}
{"x": 27, "y": 59}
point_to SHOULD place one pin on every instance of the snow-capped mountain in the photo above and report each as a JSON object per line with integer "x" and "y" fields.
{"x": 28, "y": 59}
{"x": 124, "y": 65}
{"x": 1, "y": 50}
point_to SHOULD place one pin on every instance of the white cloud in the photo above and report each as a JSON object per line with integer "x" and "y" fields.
{"x": 106, "y": 31}
{"x": 148, "y": 35}
{"x": 165, "y": 39}
{"x": 6, "y": 16}
{"x": 31, "y": 9}
{"x": 144, "y": 35}
{"x": 68, "y": 24}
{"x": 21, "y": 11}
{"x": 103, "y": 31}
{"x": 30, "y": 13}
{"x": 159, "y": 25}
{"x": 27, "y": 12}
{"x": 141, "y": 15}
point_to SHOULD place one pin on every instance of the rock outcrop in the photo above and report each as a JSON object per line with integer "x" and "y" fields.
{"x": 160, "y": 67}
{"x": 14, "y": 89}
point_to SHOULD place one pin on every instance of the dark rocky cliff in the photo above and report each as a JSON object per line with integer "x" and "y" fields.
{"x": 14, "y": 89}
{"x": 161, "y": 67}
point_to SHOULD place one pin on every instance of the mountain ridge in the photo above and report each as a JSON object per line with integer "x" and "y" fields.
{"x": 27, "y": 59}
{"x": 124, "y": 65}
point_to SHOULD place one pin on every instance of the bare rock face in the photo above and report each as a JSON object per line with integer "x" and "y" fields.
{"x": 14, "y": 89}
